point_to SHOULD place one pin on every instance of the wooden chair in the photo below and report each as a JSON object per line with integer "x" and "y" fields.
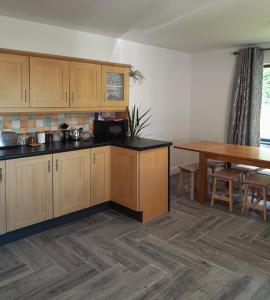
{"x": 192, "y": 170}
{"x": 261, "y": 183}
{"x": 228, "y": 176}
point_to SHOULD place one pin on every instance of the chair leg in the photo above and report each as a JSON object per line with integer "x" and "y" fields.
{"x": 180, "y": 183}
{"x": 214, "y": 192}
{"x": 192, "y": 183}
{"x": 264, "y": 205}
{"x": 230, "y": 196}
{"x": 240, "y": 186}
{"x": 244, "y": 199}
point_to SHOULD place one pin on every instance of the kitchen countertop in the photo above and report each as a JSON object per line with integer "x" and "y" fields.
{"x": 138, "y": 144}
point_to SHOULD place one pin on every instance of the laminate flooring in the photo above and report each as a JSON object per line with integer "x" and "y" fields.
{"x": 192, "y": 252}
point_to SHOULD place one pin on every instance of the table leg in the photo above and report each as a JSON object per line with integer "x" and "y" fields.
{"x": 203, "y": 178}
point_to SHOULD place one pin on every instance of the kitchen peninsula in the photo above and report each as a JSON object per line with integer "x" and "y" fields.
{"x": 45, "y": 186}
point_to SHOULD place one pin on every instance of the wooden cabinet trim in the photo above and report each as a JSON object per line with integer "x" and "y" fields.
{"x": 62, "y": 57}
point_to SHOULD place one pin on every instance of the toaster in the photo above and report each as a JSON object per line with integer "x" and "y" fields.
{"x": 8, "y": 139}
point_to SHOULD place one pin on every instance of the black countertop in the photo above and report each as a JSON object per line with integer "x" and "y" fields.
{"x": 138, "y": 144}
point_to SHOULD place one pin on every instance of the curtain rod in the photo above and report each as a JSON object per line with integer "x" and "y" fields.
{"x": 262, "y": 49}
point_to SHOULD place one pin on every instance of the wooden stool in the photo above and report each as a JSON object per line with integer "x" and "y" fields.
{"x": 259, "y": 182}
{"x": 192, "y": 170}
{"x": 227, "y": 176}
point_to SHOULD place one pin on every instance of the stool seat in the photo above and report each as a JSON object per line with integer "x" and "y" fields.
{"x": 258, "y": 180}
{"x": 229, "y": 174}
{"x": 245, "y": 168}
{"x": 194, "y": 167}
{"x": 264, "y": 172}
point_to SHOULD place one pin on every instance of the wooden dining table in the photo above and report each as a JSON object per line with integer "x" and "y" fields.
{"x": 248, "y": 155}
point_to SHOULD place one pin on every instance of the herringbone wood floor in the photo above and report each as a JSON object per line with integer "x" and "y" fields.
{"x": 193, "y": 252}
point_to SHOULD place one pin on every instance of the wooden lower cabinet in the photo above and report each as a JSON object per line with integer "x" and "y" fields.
{"x": 124, "y": 177}
{"x": 140, "y": 180}
{"x": 71, "y": 178}
{"x": 28, "y": 191}
{"x": 3, "y": 224}
{"x": 153, "y": 182}
{"x": 100, "y": 175}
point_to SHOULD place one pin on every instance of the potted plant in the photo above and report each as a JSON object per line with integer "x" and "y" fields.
{"x": 136, "y": 75}
{"x": 137, "y": 121}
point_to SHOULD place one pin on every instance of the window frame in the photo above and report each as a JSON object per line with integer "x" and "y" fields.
{"x": 262, "y": 140}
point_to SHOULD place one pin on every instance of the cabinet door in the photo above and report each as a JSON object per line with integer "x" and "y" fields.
{"x": 85, "y": 84}
{"x": 14, "y": 80}
{"x": 3, "y": 225}
{"x": 71, "y": 181}
{"x": 124, "y": 170}
{"x": 28, "y": 191}
{"x": 115, "y": 86}
{"x": 49, "y": 82}
{"x": 100, "y": 174}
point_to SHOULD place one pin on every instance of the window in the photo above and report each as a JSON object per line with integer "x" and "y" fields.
{"x": 265, "y": 114}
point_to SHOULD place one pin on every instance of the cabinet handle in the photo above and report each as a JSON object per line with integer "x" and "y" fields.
{"x": 94, "y": 158}
{"x": 25, "y": 96}
{"x": 49, "y": 166}
{"x": 1, "y": 174}
{"x": 66, "y": 96}
{"x": 56, "y": 165}
{"x": 72, "y": 96}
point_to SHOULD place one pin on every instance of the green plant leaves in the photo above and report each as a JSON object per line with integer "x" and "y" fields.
{"x": 137, "y": 121}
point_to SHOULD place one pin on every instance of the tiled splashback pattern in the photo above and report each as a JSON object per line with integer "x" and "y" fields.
{"x": 27, "y": 123}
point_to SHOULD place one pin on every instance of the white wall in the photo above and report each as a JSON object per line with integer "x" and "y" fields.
{"x": 211, "y": 84}
{"x": 166, "y": 88}
{"x": 211, "y": 87}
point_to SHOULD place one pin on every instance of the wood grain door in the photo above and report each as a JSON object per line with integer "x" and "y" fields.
{"x": 100, "y": 174}
{"x": 14, "y": 80}
{"x": 3, "y": 225}
{"x": 124, "y": 172}
{"x": 71, "y": 181}
{"x": 85, "y": 84}
{"x": 28, "y": 191}
{"x": 115, "y": 86}
{"x": 49, "y": 82}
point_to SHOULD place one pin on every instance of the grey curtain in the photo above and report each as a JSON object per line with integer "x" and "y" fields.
{"x": 244, "y": 122}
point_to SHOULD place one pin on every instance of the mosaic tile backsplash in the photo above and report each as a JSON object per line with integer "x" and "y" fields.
{"x": 29, "y": 123}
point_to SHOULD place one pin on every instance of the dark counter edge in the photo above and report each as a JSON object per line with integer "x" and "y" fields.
{"x": 62, "y": 220}
{"x": 137, "y": 144}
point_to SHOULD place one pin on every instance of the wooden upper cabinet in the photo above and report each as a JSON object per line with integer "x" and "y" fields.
{"x": 3, "y": 225}
{"x": 28, "y": 191}
{"x": 115, "y": 86}
{"x": 14, "y": 80}
{"x": 85, "y": 84}
{"x": 100, "y": 174}
{"x": 49, "y": 82}
{"x": 71, "y": 181}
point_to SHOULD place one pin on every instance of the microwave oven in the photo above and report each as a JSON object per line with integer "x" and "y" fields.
{"x": 108, "y": 129}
